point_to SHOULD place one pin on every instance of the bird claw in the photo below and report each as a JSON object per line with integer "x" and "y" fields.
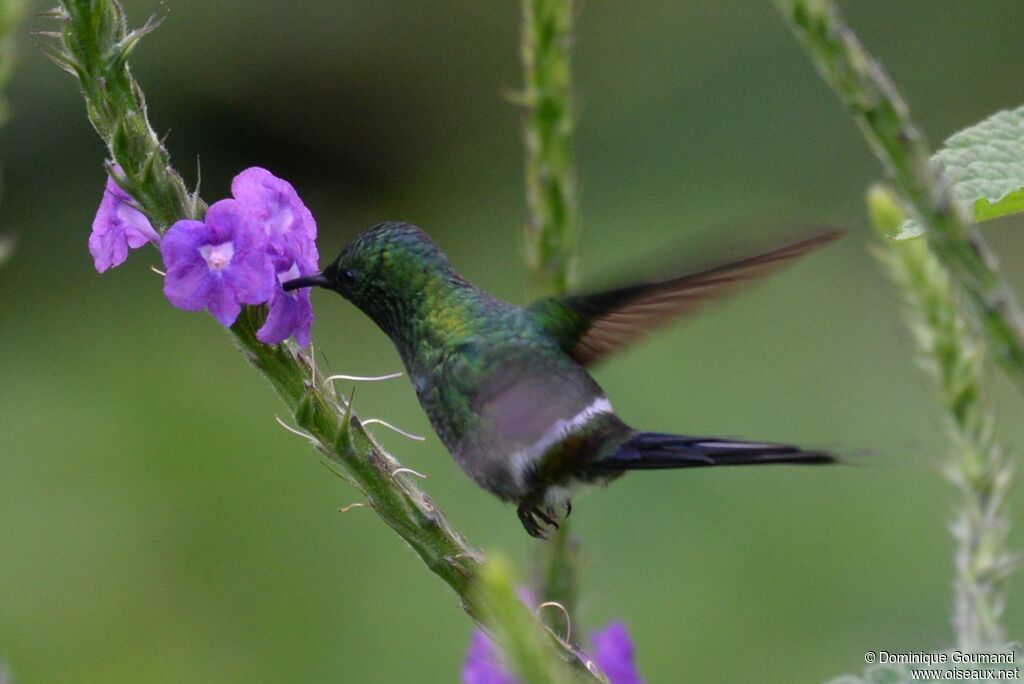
{"x": 566, "y": 510}
{"x": 528, "y": 516}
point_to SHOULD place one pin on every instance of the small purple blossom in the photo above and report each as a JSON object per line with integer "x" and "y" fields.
{"x": 290, "y": 313}
{"x": 118, "y": 225}
{"x": 218, "y": 264}
{"x": 289, "y": 225}
{"x": 291, "y": 246}
{"x": 240, "y": 254}
{"x": 483, "y": 663}
{"x": 612, "y": 651}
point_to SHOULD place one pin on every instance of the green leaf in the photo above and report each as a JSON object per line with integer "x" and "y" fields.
{"x": 986, "y": 162}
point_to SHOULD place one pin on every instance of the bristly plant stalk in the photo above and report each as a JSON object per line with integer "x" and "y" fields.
{"x": 95, "y": 46}
{"x": 550, "y": 232}
{"x": 524, "y": 644}
{"x": 95, "y": 40}
{"x": 94, "y": 43}
{"x": 882, "y": 115}
{"x": 11, "y": 12}
{"x": 952, "y": 265}
{"x": 956, "y": 357}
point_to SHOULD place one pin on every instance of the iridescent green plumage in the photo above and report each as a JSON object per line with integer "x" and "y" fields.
{"x": 505, "y": 387}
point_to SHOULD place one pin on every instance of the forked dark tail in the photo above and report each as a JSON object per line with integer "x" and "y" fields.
{"x": 652, "y": 450}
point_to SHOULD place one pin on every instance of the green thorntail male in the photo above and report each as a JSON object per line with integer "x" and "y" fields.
{"x": 507, "y": 389}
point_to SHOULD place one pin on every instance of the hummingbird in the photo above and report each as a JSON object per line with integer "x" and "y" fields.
{"x": 507, "y": 388}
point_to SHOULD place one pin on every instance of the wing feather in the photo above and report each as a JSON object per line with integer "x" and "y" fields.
{"x": 593, "y": 326}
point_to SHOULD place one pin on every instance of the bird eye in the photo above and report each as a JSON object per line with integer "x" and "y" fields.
{"x": 349, "y": 276}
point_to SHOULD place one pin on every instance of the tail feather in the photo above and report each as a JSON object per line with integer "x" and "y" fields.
{"x": 651, "y": 450}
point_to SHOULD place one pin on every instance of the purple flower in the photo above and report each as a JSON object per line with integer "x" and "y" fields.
{"x": 289, "y": 225}
{"x": 612, "y": 651}
{"x": 240, "y": 254}
{"x": 483, "y": 663}
{"x": 218, "y": 264}
{"x": 117, "y": 226}
{"x": 291, "y": 246}
{"x": 290, "y": 313}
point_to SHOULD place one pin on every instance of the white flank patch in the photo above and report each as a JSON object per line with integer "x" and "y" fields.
{"x": 523, "y": 460}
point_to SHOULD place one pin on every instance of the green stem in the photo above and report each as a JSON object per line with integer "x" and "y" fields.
{"x": 882, "y": 115}
{"x": 978, "y": 467}
{"x": 11, "y": 12}
{"x": 95, "y": 39}
{"x": 557, "y": 568}
{"x": 94, "y": 44}
{"x": 523, "y": 643}
{"x": 338, "y": 435}
{"x": 550, "y": 232}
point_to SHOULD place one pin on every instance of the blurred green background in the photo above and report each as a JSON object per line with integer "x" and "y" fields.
{"x": 156, "y": 525}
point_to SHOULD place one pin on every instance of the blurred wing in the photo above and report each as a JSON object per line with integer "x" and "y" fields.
{"x": 590, "y": 327}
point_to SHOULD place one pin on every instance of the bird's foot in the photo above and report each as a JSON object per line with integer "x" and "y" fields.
{"x": 528, "y": 515}
{"x": 566, "y": 511}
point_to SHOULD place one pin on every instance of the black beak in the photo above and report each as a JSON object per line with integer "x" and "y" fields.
{"x": 317, "y": 279}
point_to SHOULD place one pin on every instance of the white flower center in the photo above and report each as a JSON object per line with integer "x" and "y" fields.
{"x": 291, "y": 274}
{"x": 282, "y": 219}
{"x": 218, "y": 256}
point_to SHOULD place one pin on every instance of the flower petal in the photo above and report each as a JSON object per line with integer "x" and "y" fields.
{"x": 107, "y": 247}
{"x": 136, "y": 224}
{"x": 182, "y": 241}
{"x": 613, "y": 652}
{"x": 483, "y": 663}
{"x": 223, "y": 305}
{"x": 290, "y": 314}
{"x": 227, "y": 220}
{"x": 287, "y": 222}
{"x": 275, "y": 202}
{"x": 188, "y": 286}
{"x": 251, "y": 275}
{"x": 188, "y": 281}
{"x": 229, "y": 259}
{"x": 116, "y": 227}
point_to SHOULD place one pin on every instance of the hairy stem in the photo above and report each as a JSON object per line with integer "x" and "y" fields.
{"x": 882, "y": 115}
{"x": 11, "y": 12}
{"x": 94, "y": 44}
{"x": 337, "y": 433}
{"x": 523, "y": 643}
{"x": 550, "y": 231}
{"x": 557, "y": 567}
{"x": 956, "y": 357}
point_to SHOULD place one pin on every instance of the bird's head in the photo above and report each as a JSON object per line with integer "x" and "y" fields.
{"x": 386, "y": 271}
